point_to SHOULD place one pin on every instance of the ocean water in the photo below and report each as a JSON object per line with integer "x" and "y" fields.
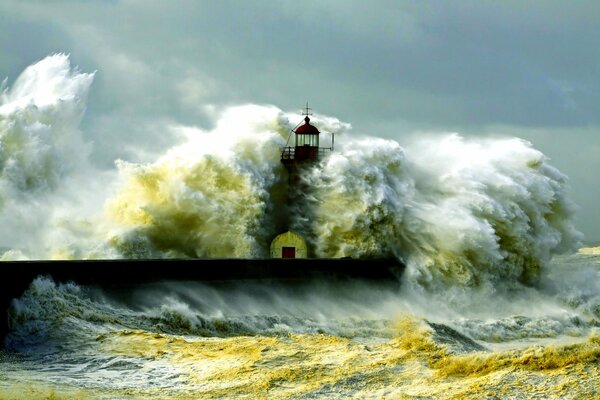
{"x": 494, "y": 301}
{"x": 319, "y": 340}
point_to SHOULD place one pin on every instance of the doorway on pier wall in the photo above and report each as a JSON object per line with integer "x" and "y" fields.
{"x": 288, "y": 252}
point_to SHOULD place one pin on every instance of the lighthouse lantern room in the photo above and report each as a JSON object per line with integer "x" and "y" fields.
{"x": 306, "y": 144}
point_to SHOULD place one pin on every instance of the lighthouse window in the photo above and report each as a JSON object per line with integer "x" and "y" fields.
{"x": 307, "y": 140}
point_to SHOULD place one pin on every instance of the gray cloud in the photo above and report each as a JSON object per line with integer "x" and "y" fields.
{"x": 390, "y": 68}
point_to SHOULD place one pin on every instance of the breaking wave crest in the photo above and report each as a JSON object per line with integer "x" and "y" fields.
{"x": 48, "y": 311}
{"x": 40, "y": 147}
{"x": 39, "y": 120}
{"x": 206, "y": 198}
{"x": 458, "y": 211}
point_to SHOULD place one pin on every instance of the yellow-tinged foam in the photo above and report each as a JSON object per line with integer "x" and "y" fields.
{"x": 62, "y": 253}
{"x": 32, "y": 392}
{"x": 203, "y": 209}
{"x": 411, "y": 364}
{"x": 536, "y": 358}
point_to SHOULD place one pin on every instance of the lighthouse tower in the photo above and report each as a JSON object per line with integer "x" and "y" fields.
{"x": 296, "y": 159}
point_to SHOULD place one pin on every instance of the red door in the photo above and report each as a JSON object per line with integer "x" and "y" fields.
{"x": 288, "y": 252}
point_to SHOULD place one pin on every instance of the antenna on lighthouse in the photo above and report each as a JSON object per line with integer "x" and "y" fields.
{"x": 306, "y": 110}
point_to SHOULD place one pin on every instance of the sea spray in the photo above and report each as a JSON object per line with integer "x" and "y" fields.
{"x": 50, "y": 193}
{"x": 458, "y": 211}
{"x": 496, "y": 218}
{"x": 49, "y": 310}
{"x": 40, "y": 146}
{"x": 208, "y": 197}
{"x": 39, "y": 120}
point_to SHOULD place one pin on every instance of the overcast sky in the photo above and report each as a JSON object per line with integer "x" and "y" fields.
{"x": 390, "y": 68}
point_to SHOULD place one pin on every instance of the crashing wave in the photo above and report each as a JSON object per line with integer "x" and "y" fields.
{"x": 457, "y": 211}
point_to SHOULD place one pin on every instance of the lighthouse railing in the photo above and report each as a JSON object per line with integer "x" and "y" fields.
{"x": 324, "y": 151}
{"x": 289, "y": 153}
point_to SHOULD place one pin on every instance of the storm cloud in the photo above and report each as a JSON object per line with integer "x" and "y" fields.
{"x": 395, "y": 69}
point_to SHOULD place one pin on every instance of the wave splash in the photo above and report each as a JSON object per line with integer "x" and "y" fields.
{"x": 459, "y": 211}
{"x": 40, "y": 144}
{"x": 49, "y": 311}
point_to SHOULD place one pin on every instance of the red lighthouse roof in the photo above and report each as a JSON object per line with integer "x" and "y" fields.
{"x": 307, "y": 128}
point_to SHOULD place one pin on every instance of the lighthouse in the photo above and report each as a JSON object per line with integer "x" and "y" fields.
{"x": 306, "y": 150}
{"x": 304, "y": 154}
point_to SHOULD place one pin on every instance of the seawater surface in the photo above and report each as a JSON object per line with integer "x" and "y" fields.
{"x": 317, "y": 340}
